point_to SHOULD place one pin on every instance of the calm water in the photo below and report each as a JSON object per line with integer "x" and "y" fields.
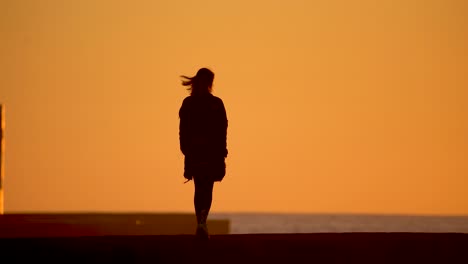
{"x": 243, "y": 223}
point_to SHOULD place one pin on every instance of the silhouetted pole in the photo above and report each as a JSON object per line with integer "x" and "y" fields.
{"x": 2, "y": 155}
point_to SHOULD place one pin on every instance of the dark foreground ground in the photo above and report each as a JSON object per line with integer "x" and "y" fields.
{"x": 261, "y": 248}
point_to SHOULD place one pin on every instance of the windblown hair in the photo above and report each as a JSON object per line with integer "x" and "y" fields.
{"x": 201, "y": 83}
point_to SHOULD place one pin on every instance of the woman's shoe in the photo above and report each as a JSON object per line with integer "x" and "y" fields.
{"x": 202, "y": 232}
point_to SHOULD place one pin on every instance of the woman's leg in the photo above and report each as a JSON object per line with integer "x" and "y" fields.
{"x": 202, "y": 200}
{"x": 203, "y": 195}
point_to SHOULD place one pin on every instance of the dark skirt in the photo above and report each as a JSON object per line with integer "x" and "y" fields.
{"x": 211, "y": 169}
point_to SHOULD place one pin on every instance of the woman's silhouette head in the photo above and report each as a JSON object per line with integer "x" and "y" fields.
{"x": 200, "y": 83}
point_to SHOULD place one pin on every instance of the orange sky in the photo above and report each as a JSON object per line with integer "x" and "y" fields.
{"x": 333, "y": 105}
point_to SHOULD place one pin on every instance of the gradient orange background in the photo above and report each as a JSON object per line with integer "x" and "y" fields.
{"x": 333, "y": 105}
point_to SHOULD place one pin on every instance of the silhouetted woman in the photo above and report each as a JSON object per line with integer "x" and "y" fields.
{"x": 202, "y": 134}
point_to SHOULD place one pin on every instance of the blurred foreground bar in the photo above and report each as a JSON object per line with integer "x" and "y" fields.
{"x": 97, "y": 224}
{"x": 372, "y": 248}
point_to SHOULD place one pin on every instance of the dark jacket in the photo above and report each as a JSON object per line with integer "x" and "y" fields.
{"x": 202, "y": 135}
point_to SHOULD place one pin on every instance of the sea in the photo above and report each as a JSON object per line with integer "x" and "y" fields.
{"x": 251, "y": 223}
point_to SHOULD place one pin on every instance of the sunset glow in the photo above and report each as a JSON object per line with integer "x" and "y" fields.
{"x": 333, "y": 105}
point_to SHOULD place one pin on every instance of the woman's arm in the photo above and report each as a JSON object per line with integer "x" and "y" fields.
{"x": 224, "y": 126}
{"x": 183, "y": 128}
